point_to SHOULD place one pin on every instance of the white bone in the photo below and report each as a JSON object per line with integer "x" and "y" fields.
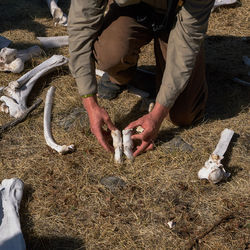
{"x": 57, "y": 14}
{"x": 99, "y": 72}
{"x": 16, "y": 66}
{"x": 219, "y": 3}
{"x": 11, "y": 237}
{"x": 54, "y": 41}
{"x": 139, "y": 129}
{"x": 117, "y": 143}
{"x": 4, "y": 42}
{"x": 7, "y": 55}
{"x": 213, "y": 169}
{"x": 128, "y": 143}
{"x": 16, "y": 92}
{"x": 13, "y": 60}
{"x": 47, "y": 126}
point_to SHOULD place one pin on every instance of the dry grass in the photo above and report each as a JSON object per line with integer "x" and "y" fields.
{"x": 66, "y": 207}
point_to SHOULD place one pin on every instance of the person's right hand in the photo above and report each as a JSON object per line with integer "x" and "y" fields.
{"x": 98, "y": 117}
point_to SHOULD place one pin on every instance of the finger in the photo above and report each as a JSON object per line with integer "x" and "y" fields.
{"x": 110, "y": 125}
{"x": 134, "y": 124}
{"x": 103, "y": 142}
{"x": 141, "y": 148}
{"x": 137, "y": 137}
{"x": 150, "y": 147}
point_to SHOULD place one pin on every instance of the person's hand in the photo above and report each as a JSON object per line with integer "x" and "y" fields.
{"x": 98, "y": 117}
{"x": 151, "y": 123}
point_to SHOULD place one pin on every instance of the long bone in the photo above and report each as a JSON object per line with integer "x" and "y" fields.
{"x": 47, "y": 126}
{"x": 128, "y": 144}
{"x": 13, "y": 60}
{"x": 117, "y": 143}
{"x": 16, "y": 93}
{"x": 213, "y": 169}
{"x": 54, "y": 41}
{"x": 11, "y": 237}
{"x": 56, "y": 12}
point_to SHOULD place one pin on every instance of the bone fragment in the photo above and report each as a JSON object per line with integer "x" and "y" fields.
{"x": 11, "y": 124}
{"x": 13, "y": 60}
{"x": 7, "y": 55}
{"x": 11, "y": 237}
{"x": 242, "y": 82}
{"x": 57, "y": 14}
{"x": 16, "y": 93}
{"x": 139, "y": 129}
{"x": 16, "y": 66}
{"x": 213, "y": 169}
{"x": 117, "y": 143}
{"x": 4, "y": 42}
{"x": 54, "y": 41}
{"x": 219, "y": 3}
{"x": 128, "y": 143}
{"x": 47, "y": 126}
{"x": 99, "y": 72}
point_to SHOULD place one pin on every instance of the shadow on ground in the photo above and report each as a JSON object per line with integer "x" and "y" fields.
{"x": 43, "y": 243}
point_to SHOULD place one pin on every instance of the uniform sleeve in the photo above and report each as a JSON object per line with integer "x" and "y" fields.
{"x": 184, "y": 43}
{"x": 85, "y": 20}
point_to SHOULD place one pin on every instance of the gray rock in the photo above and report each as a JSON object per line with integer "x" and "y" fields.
{"x": 177, "y": 143}
{"x": 113, "y": 183}
{"x": 75, "y": 117}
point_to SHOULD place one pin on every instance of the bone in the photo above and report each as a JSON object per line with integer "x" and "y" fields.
{"x": 54, "y": 41}
{"x": 117, "y": 143}
{"x": 27, "y": 54}
{"x": 16, "y": 93}
{"x": 7, "y": 55}
{"x": 213, "y": 169}
{"x": 11, "y": 237}
{"x": 16, "y": 121}
{"x": 13, "y": 60}
{"x": 4, "y": 42}
{"x": 128, "y": 144}
{"x": 16, "y": 66}
{"x": 47, "y": 126}
{"x": 219, "y": 3}
{"x": 57, "y": 14}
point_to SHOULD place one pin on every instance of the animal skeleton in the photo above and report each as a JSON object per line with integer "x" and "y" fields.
{"x": 57, "y": 14}
{"x": 13, "y": 60}
{"x": 11, "y": 237}
{"x": 213, "y": 170}
{"x": 47, "y": 126}
{"x": 16, "y": 93}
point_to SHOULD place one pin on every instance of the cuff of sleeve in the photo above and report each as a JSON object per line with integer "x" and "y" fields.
{"x": 86, "y": 86}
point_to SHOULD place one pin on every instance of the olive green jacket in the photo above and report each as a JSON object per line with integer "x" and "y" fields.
{"x": 185, "y": 39}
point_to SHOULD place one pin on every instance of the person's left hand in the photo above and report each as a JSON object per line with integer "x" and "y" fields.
{"x": 151, "y": 123}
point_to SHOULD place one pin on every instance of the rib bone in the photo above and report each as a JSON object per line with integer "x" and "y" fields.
{"x": 16, "y": 92}
{"x": 128, "y": 143}
{"x": 11, "y": 237}
{"x": 47, "y": 126}
{"x": 117, "y": 143}
{"x": 213, "y": 169}
{"x": 57, "y": 14}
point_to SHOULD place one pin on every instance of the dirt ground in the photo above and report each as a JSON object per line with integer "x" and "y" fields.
{"x": 65, "y": 204}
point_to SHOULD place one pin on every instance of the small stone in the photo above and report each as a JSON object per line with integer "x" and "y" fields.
{"x": 178, "y": 143}
{"x": 113, "y": 183}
